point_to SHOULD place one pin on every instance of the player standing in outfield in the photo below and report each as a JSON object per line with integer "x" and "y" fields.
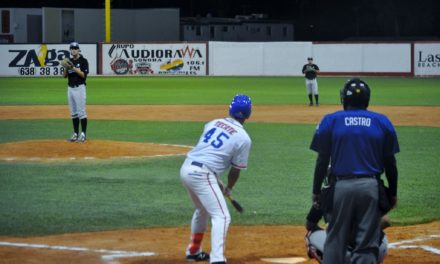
{"x": 360, "y": 145}
{"x": 223, "y": 145}
{"x": 310, "y": 71}
{"x": 76, "y": 71}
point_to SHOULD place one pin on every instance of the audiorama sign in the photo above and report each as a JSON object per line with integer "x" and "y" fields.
{"x": 154, "y": 59}
{"x": 427, "y": 59}
{"x": 34, "y": 60}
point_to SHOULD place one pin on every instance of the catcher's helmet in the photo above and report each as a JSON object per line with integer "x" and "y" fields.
{"x": 355, "y": 93}
{"x": 241, "y": 107}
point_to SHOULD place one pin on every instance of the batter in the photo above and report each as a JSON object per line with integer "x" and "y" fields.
{"x": 316, "y": 237}
{"x": 223, "y": 145}
{"x": 76, "y": 73}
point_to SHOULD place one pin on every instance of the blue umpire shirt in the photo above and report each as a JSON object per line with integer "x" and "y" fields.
{"x": 356, "y": 140}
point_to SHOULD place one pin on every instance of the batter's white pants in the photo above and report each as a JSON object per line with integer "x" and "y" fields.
{"x": 209, "y": 201}
{"x": 77, "y": 101}
{"x": 312, "y": 86}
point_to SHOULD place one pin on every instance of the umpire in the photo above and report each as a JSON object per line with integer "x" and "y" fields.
{"x": 360, "y": 145}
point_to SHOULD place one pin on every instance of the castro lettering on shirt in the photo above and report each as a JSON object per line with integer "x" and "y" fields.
{"x": 226, "y": 127}
{"x": 357, "y": 121}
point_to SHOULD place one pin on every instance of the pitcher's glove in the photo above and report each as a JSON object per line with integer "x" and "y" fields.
{"x": 67, "y": 64}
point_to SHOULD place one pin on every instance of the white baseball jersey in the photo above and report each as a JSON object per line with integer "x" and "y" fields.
{"x": 224, "y": 143}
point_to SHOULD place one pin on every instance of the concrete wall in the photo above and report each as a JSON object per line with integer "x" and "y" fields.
{"x": 18, "y": 17}
{"x": 127, "y": 25}
{"x": 239, "y": 32}
{"x": 157, "y": 25}
{"x": 364, "y": 58}
{"x": 287, "y": 58}
{"x": 51, "y": 25}
{"x": 258, "y": 58}
{"x": 89, "y": 25}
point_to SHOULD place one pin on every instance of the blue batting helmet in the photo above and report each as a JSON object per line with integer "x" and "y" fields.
{"x": 241, "y": 107}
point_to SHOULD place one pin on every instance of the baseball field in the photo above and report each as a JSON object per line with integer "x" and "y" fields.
{"x": 118, "y": 198}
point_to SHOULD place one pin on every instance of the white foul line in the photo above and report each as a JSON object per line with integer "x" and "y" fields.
{"x": 108, "y": 256}
{"x": 404, "y": 244}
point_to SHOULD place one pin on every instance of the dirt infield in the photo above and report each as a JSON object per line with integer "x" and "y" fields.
{"x": 294, "y": 114}
{"x": 55, "y": 150}
{"x": 245, "y": 245}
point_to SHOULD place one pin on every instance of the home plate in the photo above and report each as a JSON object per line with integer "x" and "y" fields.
{"x": 284, "y": 260}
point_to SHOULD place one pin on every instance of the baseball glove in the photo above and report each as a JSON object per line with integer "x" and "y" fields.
{"x": 309, "y": 68}
{"x": 67, "y": 64}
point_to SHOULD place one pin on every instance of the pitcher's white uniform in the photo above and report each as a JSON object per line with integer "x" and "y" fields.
{"x": 224, "y": 143}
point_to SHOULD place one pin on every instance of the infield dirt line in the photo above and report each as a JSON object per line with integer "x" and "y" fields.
{"x": 108, "y": 256}
{"x": 408, "y": 244}
{"x": 61, "y": 150}
{"x": 291, "y": 114}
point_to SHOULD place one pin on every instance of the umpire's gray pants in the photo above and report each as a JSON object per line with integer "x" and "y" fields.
{"x": 354, "y": 221}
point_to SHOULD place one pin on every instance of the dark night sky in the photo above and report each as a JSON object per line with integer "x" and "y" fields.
{"x": 325, "y": 20}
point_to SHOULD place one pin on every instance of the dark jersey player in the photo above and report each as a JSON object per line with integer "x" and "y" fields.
{"x": 310, "y": 71}
{"x": 76, "y": 92}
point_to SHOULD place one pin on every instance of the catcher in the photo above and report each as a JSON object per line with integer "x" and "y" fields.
{"x": 316, "y": 237}
{"x": 76, "y": 70}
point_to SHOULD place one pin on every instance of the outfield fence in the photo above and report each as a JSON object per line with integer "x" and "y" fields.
{"x": 228, "y": 58}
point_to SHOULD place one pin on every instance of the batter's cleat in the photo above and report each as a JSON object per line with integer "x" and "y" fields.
{"x": 311, "y": 104}
{"x": 201, "y": 256}
{"x": 74, "y": 138}
{"x": 317, "y": 104}
{"x": 82, "y": 138}
{"x": 219, "y": 262}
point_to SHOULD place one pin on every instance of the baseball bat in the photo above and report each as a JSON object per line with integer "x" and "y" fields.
{"x": 236, "y": 204}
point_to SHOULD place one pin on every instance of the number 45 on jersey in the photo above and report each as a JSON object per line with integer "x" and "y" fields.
{"x": 216, "y": 142}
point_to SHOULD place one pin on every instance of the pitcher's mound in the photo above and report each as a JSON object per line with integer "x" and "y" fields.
{"x": 92, "y": 149}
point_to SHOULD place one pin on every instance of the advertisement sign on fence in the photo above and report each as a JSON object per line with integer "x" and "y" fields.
{"x": 427, "y": 59}
{"x": 154, "y": 59}
{"x": 40, "y": 59}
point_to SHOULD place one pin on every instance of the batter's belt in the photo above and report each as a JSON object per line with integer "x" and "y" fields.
{"x": 201, "y": 165}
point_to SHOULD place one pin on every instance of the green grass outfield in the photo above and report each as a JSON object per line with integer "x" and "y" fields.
{"x": 214, "y": 90}
{"x": 49, "y": 198}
